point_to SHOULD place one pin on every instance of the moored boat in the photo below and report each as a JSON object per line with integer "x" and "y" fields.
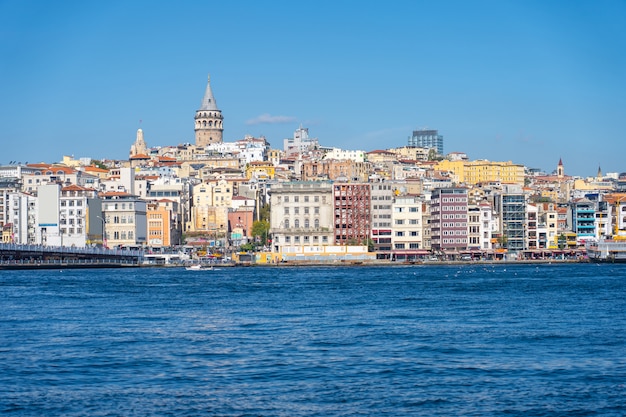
{"x": 607, "y": 250}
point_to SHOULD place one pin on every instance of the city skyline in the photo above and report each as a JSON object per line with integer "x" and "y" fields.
{"x": 527, "y": 82}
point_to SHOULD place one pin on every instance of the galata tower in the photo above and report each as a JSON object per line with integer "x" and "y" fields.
{"x": 209, "y": 119}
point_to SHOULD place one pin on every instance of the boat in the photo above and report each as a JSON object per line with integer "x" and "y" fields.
{"x": 199, "y": 267}
{"x": 607, "y": 250}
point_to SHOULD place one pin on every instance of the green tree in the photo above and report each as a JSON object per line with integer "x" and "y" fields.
{"x": 260, "y": 230}
{"x": 98, "y": 164}
{"x": 264, "y": 212}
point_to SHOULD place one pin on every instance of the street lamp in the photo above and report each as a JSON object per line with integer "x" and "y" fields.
{"x": 104, "y": 235}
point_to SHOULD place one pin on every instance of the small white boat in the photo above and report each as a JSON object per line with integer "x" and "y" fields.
{"x": 199, "y": 267}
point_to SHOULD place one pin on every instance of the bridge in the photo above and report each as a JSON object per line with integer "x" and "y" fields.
{"x": 14, "y": 256}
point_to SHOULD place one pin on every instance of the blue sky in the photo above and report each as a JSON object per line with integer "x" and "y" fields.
{"x": 525, "y": 81}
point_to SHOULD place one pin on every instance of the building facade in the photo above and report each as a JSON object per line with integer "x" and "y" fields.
{"x": 448, "y": 219}
{"x": 301, "y": 215}
{"x": 352, "y": 213}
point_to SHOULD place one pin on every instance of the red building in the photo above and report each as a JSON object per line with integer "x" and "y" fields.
{"x": 352, "y": 212}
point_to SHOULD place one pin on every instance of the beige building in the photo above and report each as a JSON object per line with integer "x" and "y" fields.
{"x": 211, "y": 203}
{"x": 125, "y": 219}
{"x": 410, "y": 152}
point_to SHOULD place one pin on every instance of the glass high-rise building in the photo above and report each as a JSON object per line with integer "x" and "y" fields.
{"x": 427, "y": 139}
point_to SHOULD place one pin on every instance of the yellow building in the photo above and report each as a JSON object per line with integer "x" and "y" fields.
{"x": 158, "y": 225}
{"x": 474, "y": 172}
{"x": 261, "y": 170}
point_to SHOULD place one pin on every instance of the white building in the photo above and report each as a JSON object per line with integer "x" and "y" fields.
{"x": 344, "y": 154}
{"x": 407, "y": 227}
{"x": 301, "y": 216}
{"x": 300, "y": 143}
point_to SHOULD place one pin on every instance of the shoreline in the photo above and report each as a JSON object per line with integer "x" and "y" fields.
{"x": 330, "y": 264}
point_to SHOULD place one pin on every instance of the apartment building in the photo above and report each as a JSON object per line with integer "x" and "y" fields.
{"x": 125, "y": 219}
{"x": 449, "y": 219}
{"x": 352, "y": 213}
{"x": 382, "y": 197}
{"x": 407, "y": 228}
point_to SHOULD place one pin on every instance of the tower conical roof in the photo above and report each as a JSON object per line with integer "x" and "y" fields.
{"x": 208, "y": 102}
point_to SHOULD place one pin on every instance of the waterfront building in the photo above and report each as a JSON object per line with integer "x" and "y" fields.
{"x": 617, "y": 218}
{"x": 382, "y": 197}
{"x": 352, "y": 213}
{"x": 535, "y": 235}
{"x": 240, "y": 221}
{"x": 17, "y": 212}
{"x": 210, "y": 204}
{"x": 582, "y": 217}
{"x": 449, "y": 220}
{"x": 407, "y": 228}
{"x": 208, "y": 120}
{"x": 547, "y": 220}
{"x": 125, "y": 219}
{"x": 427, "y": 138}
{"x": 510, "y": 204}
{"x": 67, "y": 216}
{"x": 473, "y": 227}
{"x": 301, "y": 219}
{"x": 161, "y": 226}
{"x": 81, "y": 214}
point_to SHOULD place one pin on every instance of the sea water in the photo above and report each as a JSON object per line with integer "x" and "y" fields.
{"x": 470, "y": 340}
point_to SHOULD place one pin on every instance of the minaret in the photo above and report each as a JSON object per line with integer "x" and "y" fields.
{"x": 560, "y": 172}
{"x": 208, "y": 119}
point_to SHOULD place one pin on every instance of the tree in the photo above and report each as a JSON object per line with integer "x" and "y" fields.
{"x": 98, "y": 164}
{"x": 260, "y": 230}
{"x": 264, "y": 212}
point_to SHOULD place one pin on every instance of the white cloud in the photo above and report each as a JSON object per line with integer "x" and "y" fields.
{"x": 267, "y": 118}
